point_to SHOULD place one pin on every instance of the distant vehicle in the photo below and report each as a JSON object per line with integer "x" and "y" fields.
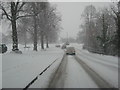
{"x": 3, "y": 48}
{"x": 70, "y": 51}
{"x": 63, "y": 46}
{"x": 57, "y": 45}
{"x": 67, "y": 43}
{"x": 84, "y": 47}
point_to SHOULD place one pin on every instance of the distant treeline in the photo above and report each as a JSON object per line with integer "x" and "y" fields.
{"x": 101, "y": 30}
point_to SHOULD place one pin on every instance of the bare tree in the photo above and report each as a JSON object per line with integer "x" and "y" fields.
{"x": 89, "y": 16}
{"x": 117, "y": 19}
{"x": 48, "y": 24}
{"x": 52, "y": 25}
{"x": 35, "y": 9}
{"x": 24, "y": 27}
{"x": 12, "y": 14}
{"x": 99, "y": 31}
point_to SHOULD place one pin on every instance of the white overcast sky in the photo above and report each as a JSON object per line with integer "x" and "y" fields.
{"x": 71, "y": 14}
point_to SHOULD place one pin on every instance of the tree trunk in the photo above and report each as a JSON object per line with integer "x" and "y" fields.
{"x": 118, "y": 31}
{"x": 35, "y": 29}
{"x": 42, "y": 40}
{"x": 104, "y": 31}
{"x": 47, "y": 46}
{"x": 25, "y": 39}
{"x": 14, "y": 29}
{"x": 35, "y": 34}
{"x": 14, "y": 36}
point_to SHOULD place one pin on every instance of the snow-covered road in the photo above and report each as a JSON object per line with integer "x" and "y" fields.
{"x": 75, "y": 73}
{"x": 81, "y": 78}
{"x": 69, "y": 74}
{"x": 98, "y": 71}
{"x": 105, "y": 66}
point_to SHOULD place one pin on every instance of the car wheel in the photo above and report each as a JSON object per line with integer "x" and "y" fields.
{"x": 73, "y": 53}
{"x": 67, "y": 54}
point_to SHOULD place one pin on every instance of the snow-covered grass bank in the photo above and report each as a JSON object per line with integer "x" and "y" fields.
{"x": 44, "y": 80}
{"x": 19, "y": 69}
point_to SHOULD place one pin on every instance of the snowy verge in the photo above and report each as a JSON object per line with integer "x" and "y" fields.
{"x": 44, "y": 79}
{"x": 20, "y": 69}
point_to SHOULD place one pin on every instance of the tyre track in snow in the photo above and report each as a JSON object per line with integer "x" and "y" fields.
{"x": 102, "y": 64}
{"x": 95, "y": 76}
{"x": 77, "y": 76}
{"x": 57, "y": 80}
{"x": 97, "y": 61}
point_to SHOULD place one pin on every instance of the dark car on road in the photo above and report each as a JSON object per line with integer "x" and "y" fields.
{"x": 70, "y": 51}
{"x": 67, "y": 43}
{"x": 63, "y": 46}
{"x": 57, "y": 45}
{"x": 3, "y": 48}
